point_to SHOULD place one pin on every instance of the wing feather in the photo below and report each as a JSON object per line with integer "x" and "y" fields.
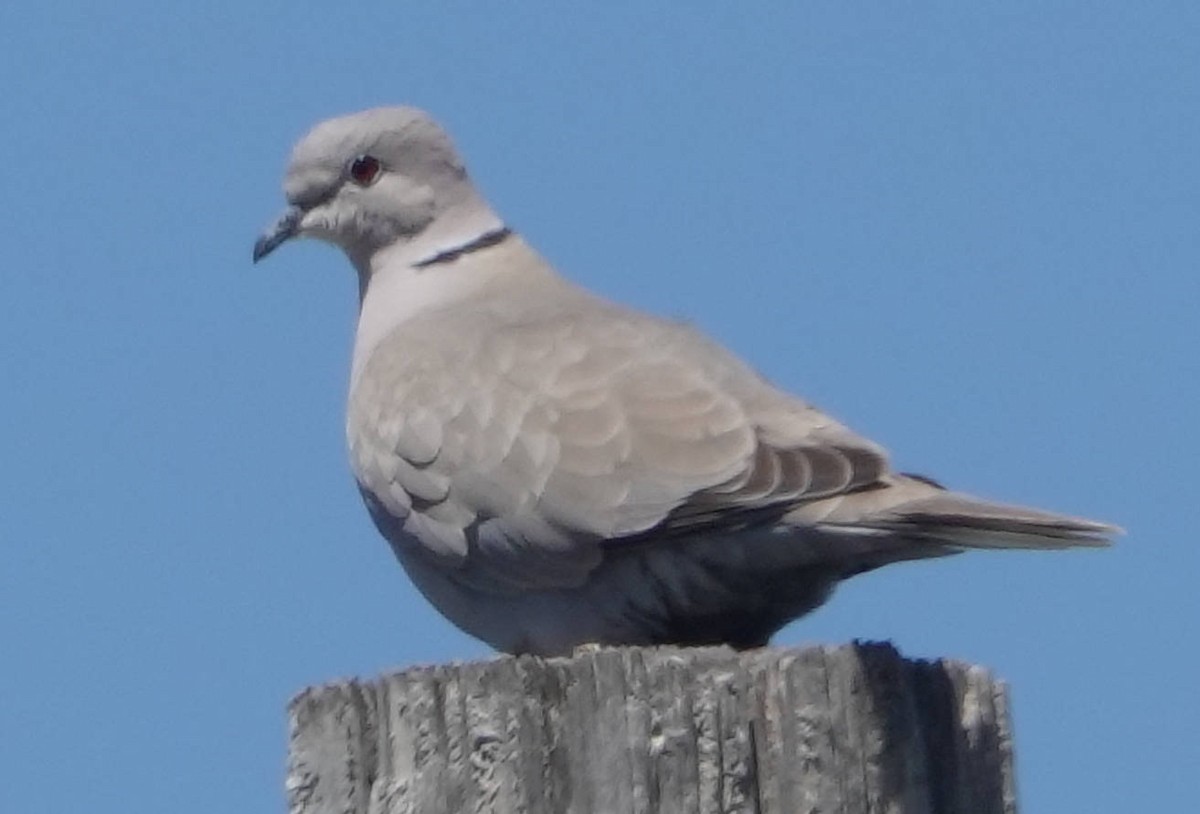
{"x": 527, "y": 446}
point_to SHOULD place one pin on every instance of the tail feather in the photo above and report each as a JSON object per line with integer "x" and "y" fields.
{"x": 962, "y": 520}
{"x": 923, "y": 511}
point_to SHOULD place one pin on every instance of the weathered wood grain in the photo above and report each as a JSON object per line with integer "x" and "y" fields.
{"x": 848, "y": 729}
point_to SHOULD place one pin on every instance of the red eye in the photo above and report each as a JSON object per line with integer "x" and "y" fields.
{"x": 364, "y": 170}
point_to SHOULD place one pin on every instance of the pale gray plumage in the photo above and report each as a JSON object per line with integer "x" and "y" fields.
{"x": 553, "y": 469}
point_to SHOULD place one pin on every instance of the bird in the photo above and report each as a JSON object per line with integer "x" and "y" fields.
{"x": 554, "y": 470}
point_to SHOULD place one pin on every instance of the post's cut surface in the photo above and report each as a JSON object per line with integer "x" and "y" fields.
{"x": 855, "y": 728}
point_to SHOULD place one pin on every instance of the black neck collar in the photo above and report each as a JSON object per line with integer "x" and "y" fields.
{"x": 488, "y": 238}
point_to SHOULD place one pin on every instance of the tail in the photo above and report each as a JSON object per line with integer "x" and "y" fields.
{"x": 967, "y": 522}
{"x": 922, "y": 511}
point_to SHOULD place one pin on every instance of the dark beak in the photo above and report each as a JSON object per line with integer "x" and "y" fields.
{"x": 279, "y": 233}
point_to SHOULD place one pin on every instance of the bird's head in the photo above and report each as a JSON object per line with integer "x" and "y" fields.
{"x": 381, "y": 179}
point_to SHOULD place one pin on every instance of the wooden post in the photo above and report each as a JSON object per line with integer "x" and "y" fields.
{"x": 855, "y": 728}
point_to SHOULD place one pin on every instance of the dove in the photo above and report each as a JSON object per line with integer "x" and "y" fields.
{"x": 554, "y": 470}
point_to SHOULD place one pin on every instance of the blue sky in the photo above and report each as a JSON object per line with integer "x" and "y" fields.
{"x": 968, "y": 230}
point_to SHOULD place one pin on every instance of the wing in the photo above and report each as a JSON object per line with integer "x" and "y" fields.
{"x": 515, "y": 451}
